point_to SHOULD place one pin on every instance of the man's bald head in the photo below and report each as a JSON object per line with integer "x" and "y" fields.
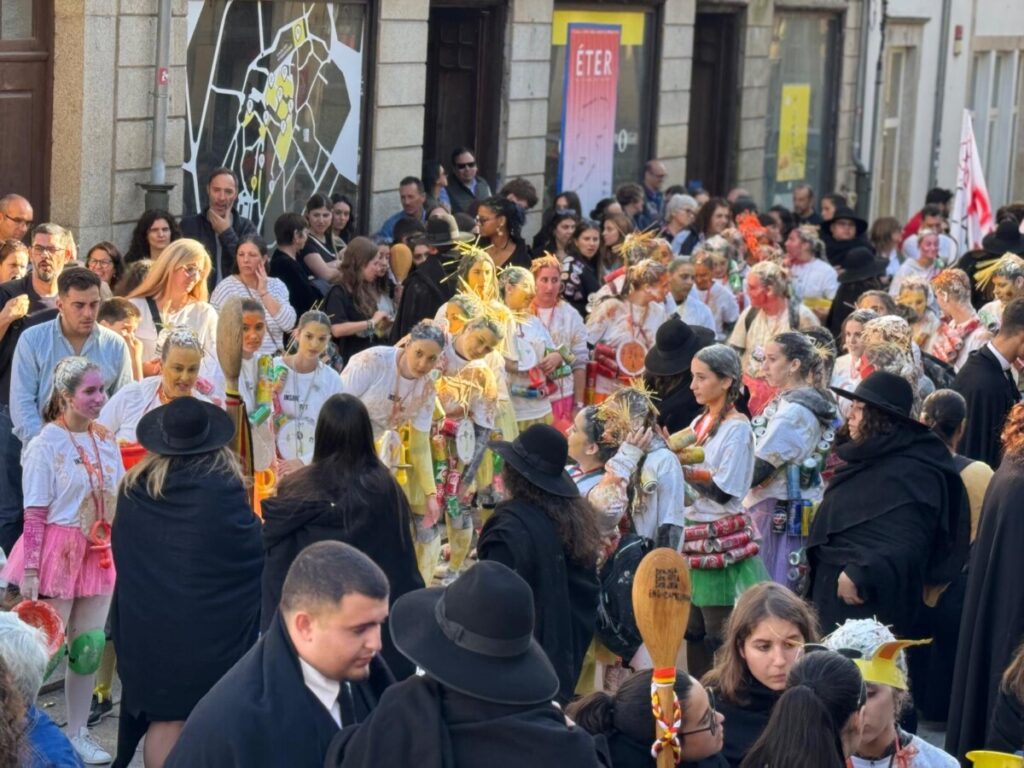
{"x": 654, "y": 174}
{"x": 15, "y": 217}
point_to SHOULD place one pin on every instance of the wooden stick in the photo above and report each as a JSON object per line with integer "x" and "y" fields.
{"x": 661, "y": 604}
{"x": 229, "y": 355}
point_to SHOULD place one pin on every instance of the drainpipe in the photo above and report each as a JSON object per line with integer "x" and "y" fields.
{"x": 157, "y": 188}
{"x": 940, "y": 94}
{"x": 862, "y": 165}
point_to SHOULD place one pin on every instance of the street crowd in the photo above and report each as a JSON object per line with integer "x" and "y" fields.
{"x": 350, "y": 499}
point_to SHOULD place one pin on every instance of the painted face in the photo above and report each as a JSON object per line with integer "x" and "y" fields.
{"x": 844, "y": 229}
{"x": 254, "y": 329}
{"x": 563, "y": 232}
{"x": 480, "y": 276}
{"x": 610, "y": 234}
{"x": 99, "y": 262}
{"x": 88, "y": 398}
{"x": 659, "y": 290}
{"x": 778, "y": 370}
{"x": 222, "y": 192}
{"x": 879, "y": 713}
{"x": 681, "y": 281}
{"x": 158, "y": 236}
{"x": 421, "y": 357}
{"x": 15, "y": 266}
{"x": 313, "y": 338}
{"x": 185, "y": 277}
{"x": 342, "y": 640}
{"x": 478, "y": 343}
{"x": 707, "y": 387}
{"x": 915, "y": 299}
{"x": 456, "y": 320}
{"x": 549, "y": 285}
{"x": 853, "y": 338}
{"x": 47, "y": 256}
{"x": 587, "y": 243}
{"x": 927, "y": 249}
{"x": 1005, "y": 289}
{"x": 579, "y": 446}
{"x": 702, "y": 276}
{"x": 518, "y": 297}
{"x": 771, "y": 650}
{"x": 699, "y": 720}
{"x": 249, "y": 258}
{"x": 341, "y": 215}
{"x": 319, "y": 220}
{"x": 719, "y": 220}
{"x": 180, "y": 370}
{"x": 760, "y": 294}
{"x": 874, "y": 303}
{"x": 855, "y": 418}
{"x": 78, "y": 310}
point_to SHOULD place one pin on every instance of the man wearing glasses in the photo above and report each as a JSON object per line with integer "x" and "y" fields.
{"x": 15, "y": 217}
{"x": 25, "y": 302}
{"x": 467, "y": 186}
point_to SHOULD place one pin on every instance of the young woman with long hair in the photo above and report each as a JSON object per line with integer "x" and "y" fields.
{"x": 614, "y": 228}
{"x": 557, "y": 234}
{"x": 343, "y": 214}
{"x": 354, "y": 301}
{"x": 104, "y": 259}
{"x": 501, "y": 225}
{"x": 154, "y": 231}
{"x": 319, "y": 255}
{"x": 582, "y": 265}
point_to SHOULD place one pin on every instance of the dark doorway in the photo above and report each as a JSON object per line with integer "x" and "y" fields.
{"x": 711, "y": 148}
{"x": 464, "y": 84}
{"x": 26, "y": 30}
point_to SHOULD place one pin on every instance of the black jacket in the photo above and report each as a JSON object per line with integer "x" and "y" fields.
{"x": 221, "y": 247}
{"x": 679, "y": 408}
{"x": 836, "y": 250}
{"x": 262, "y": 714}
{"x": 990, "y": 395}
{"x": 424, "y": 290}
{"x": 744, "y": 723}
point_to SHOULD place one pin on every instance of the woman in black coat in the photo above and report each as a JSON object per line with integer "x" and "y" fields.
{"x": 187, "y": 549}
{"x": 890, "y": 520}
{"x": 346, "y": 494}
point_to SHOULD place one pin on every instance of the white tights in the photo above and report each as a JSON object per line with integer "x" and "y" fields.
{"x": 81, "y": 614}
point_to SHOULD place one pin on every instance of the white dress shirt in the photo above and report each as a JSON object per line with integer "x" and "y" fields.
{"x": 326, "y": 691}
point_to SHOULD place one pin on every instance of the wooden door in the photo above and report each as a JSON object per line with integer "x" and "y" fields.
{"x": 713, "y": 101}
{"x": 464, "y": 84}
{"x": 26, "y": 29}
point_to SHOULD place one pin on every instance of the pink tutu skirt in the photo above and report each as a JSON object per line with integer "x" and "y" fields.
{"x": 68, "y": 568}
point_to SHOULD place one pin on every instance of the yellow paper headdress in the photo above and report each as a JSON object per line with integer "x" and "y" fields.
{"x": 986, "y": 759}
{"x": 882, "y": 667}
{"x": 984, "y": 275}
{"x": 635, "y": 246}
{"x": 626, "y": 411}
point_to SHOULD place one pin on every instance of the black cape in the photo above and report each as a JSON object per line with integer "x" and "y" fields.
{"x": 836, "y": 250}
{"x": 421, "y": 722}
{"x": 424, "y": 290}
{"x": 892, "y": 519}
{"x": 262, "y": 714}
{"x": 743, "y": 723}
{"x": 1006, "y": 731}
{"x": 993, "y": 615}
{"x": 376, "y": 524}
{"x": 679, "y": 408}
{"x": 971, "y": 262}
{"x": 564, "y": 594}
{"x": 845, "y": 301}
{"x": 990, "y": 395}
{"x": 186, "y": 603}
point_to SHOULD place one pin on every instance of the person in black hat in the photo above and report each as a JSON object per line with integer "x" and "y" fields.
{"x": 430, "y": 283}
{"x": 551, "y": 537}
{"x": 314, "y": 671}
{"x": 485, "y": 697}
{"x": 891, "y": 518}
{"x": 862, "y": 271}
{"x": 667, "y": 371}
{"x": 187, "y": 546}
{"x": 843, "y": 232}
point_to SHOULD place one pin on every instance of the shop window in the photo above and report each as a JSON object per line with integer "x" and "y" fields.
{"x": 995, "y": 103}
{"x": 275, "y": 92}
{"x": 802, "y": 105}
{"x": 599, "y": 138}
{"x": 896, "y": 134}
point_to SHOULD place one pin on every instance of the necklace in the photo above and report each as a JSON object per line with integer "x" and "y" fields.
{"x": 93, "y": 472}
{"x": 398, "y": 403}
{"x": 633, "y": 330}
{"x": 302, "y": 404}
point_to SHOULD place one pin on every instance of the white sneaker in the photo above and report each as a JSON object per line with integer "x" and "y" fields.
{"x": 87, "y": 749}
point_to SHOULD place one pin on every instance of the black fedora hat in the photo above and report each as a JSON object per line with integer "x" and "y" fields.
{"x": 886, "y": 392}
{"x": 845, "y": 212}
{"x": 1006, "y": 238}
{"x": 443, "y": 231}
{"x": 476, "y": 636}
{"x": 183, "y": 427}
{"x": 675, "y": 344}
{"x": 861, "y": 263}
{"x": 540, "y": 454}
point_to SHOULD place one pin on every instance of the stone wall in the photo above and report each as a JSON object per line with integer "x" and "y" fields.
{"x": 676, "y": 72}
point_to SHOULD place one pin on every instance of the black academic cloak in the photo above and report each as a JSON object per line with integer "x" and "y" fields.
{"x": 186, "y": 604}
{"x": 836, "y": 250}
{"x": 421, "y": 722}
{"x": 678, "y": 408}
{"x": 993, "y": 618}
{"x": 565, "y": 594}
{"x": 377, "y": 524}
{"x": 424, "y": 290}
{"x": 892, "y": 519}
{"x": 262, "y": 714}
{"x": 743, "y": 723}
{"x": 990, "y": 395}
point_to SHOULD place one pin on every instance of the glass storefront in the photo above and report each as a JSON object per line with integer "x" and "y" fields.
{"x": 598, "y": 137}
{"x": 802, "y": 105}
{"x": 275, "y": 92}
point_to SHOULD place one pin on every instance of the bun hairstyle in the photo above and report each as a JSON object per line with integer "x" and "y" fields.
{"x": 815, "y": 359}
{"x": 642, "y": 274}
{"x": 628, "y": 711}
{"x": 67, "y": 377}
{"x": 944, "y": 411}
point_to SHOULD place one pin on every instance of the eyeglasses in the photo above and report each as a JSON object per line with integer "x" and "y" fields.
{"x": 712, "y": 713}
{"x": 16, "y": 220}
{"x": 92, "y": 263}
{"x": 564, "y": 212}
{"x": 49, "y": 250}
{"x": 484, "y": 220}
{"x": 464, "y": 166}
{"x": 191, "y": 270}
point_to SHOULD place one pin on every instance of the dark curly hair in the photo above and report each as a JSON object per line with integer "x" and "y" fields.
{"x": 1013, "y": 435}
{"x": 139, "y": 249}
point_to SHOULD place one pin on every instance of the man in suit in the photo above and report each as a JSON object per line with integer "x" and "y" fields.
{"x": 315, "y": 670}
{"x": 986, "y": 381}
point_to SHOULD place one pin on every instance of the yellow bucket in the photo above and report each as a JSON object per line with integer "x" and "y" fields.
{"x": 985, "y": 759}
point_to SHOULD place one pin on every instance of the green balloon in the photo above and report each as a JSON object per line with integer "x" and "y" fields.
{"x": 86, "y": 652}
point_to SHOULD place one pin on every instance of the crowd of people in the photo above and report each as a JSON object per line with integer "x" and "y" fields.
{"x": 350, "y": 499}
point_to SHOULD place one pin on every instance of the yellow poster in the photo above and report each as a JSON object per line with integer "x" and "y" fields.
{"x": 794, "y": 118}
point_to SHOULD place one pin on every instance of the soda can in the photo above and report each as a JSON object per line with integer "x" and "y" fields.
{"x": 808, "y": 516}
{"x": 453, "y": 482}
{"x": 760, "y": 432}
{"x": 439, "y": 448}
{"x": 796, "y": 558}
{"x": 779, "y": 519}
{"x": 792, "y": 481}
{"x": 809, "y": 473}
{"x": 706, "y": 562}
{"x": 824, "y": 447}
{"x": 733, "y": 541}
{"x": 795, "y": 517}
{"x": 260, "y": 415}
{"x": 743, "y": 553}
{"x": 684, "y": 438}
{"x": 452, "y": 506}
{"x": 648, "y": 480}
{"x": 727, "y": 525}
{"x": 794, "y": 574}
{"x": 449, "y": 427}
{"x": 692, "y": 455}
{"x": 695, "y": 532}
{"x": 828, "y": 436}
{"x": 440, "y": 471}
{"x": 699, "y": 546}
{"x": 264, "y": 379}
{"x": 758, "y": 421}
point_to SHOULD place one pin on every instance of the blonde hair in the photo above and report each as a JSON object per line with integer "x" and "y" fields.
{"x": 156, "y": 466}
{"x": 175, "y": 255}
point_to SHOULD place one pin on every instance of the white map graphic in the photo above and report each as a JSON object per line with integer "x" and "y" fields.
{"x": 287, "y": 120}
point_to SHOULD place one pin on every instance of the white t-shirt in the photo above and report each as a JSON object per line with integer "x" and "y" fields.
{"x": 530, "y": 342}
{"x": 815, "y": 279}
{"x": 122, "y": 412}
{"x": 729, "y": 455}
{"x": 201, "y": 317}
{"x": 616, "y": 321}
{"x": 565, "y": 326}
{"x": 693, "y": 311}
{"x": 791, "y": 435}
{"x": 764, "y": 328}
{"x": 392, "y": 400}
{"x": 723, "y": 305}
{"x": 927, "y": 756}
{"x": 54, "y": 476}
{"x": 304, "y": 394}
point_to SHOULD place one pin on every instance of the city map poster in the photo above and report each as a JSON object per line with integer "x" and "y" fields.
{"x": 794, "y": 119}
{"x": 588, "y": 115}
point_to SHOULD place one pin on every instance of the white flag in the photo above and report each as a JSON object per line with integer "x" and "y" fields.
{"x": 971, "y": 217}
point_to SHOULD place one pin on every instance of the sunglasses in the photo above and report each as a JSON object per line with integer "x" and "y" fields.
{"x": 711, "y": 716}
{"x": 464, "y": 166}
{"x": 191, "y": 270}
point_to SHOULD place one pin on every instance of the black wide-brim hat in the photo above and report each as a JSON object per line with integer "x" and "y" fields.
{"x": 540, "y": 454}
{"x": 183, "y": 427}
{"x": 476, "y": 636}
{"x": 847, "y": 213}
{"x": 887, "y": 392}
{"x": 675, "y": 344}
{"x": 861, "y": 263}
{"x": 1006, "y": 238}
